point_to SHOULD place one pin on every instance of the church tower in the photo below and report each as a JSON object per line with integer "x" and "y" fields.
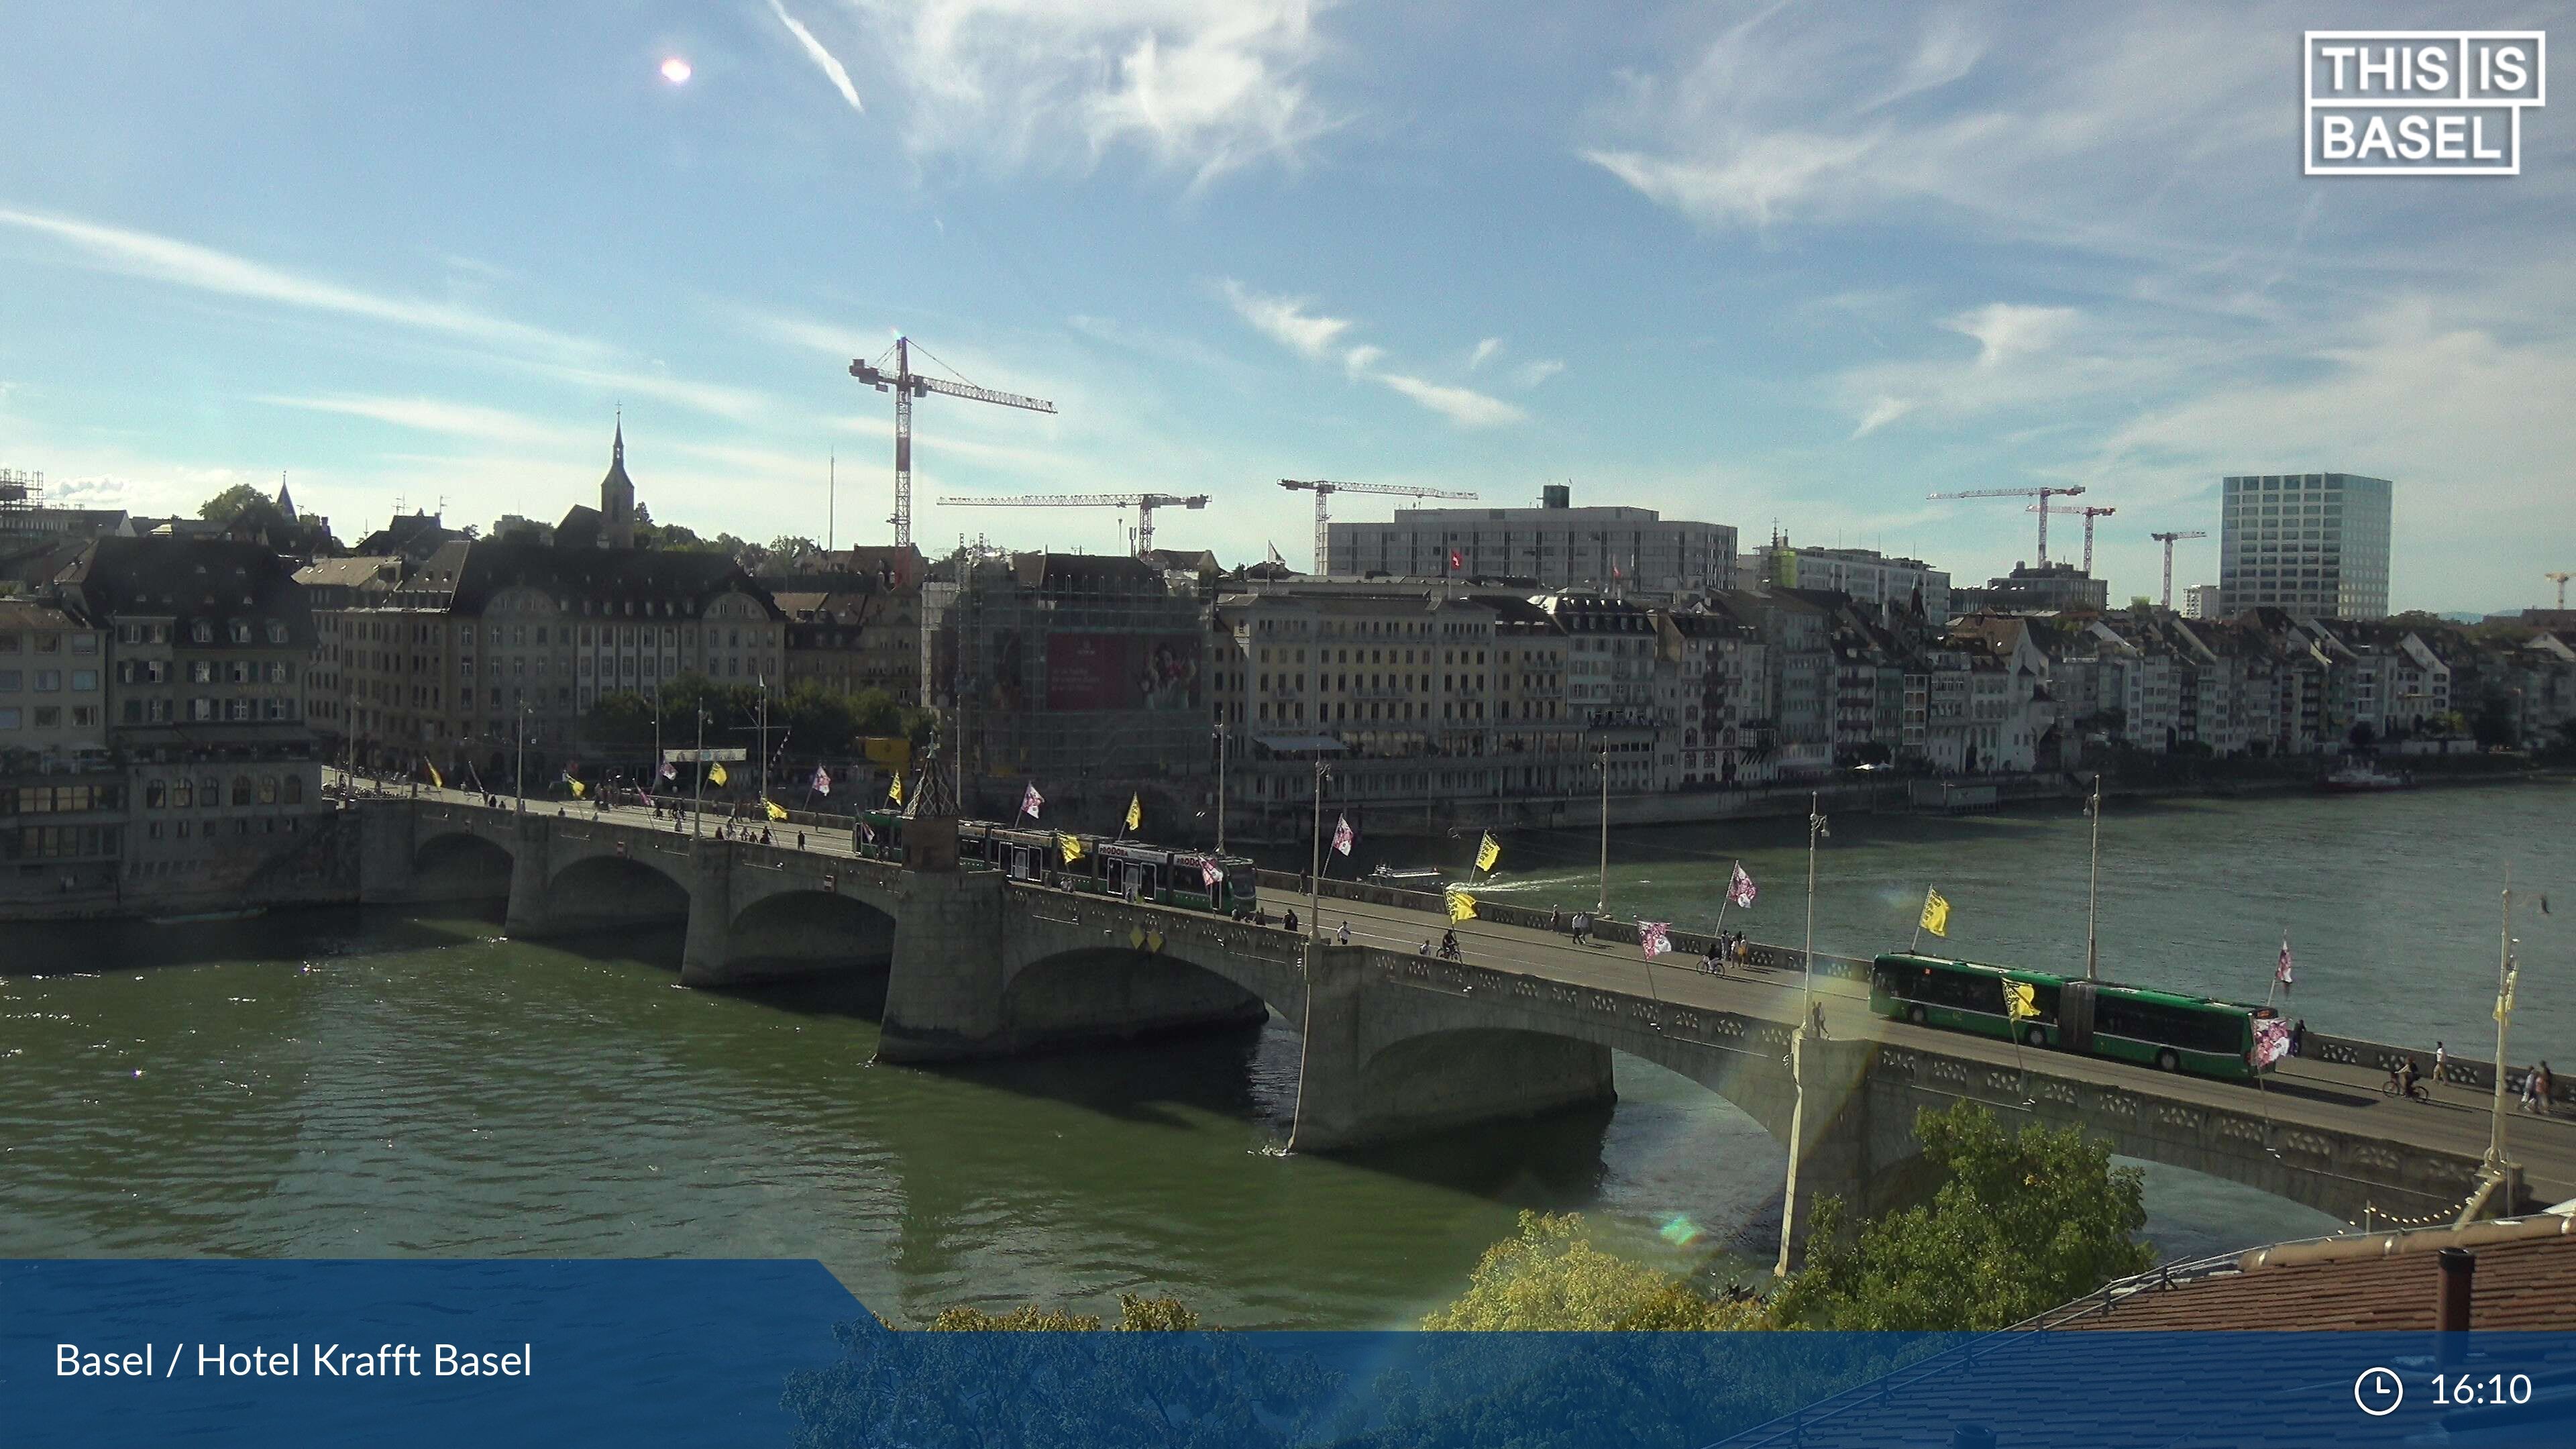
{"x": 617, "y": 496}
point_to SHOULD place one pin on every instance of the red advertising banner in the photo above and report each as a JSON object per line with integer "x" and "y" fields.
{"x": 1087, "y": 672}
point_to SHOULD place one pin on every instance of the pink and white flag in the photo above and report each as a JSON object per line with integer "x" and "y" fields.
{"x": 822, "y": 781}
{"x": 1342, "y": 837}
{"x": 1030, "y": 802}
{"x": 1739, "y": 891}
{"x": 2281, "y": 973}
{"x": 1655, "y": 936}
{"x": 2271, "y": 1041}
{"x": 1209, "y": 874}
{"x": 670, "y": 771}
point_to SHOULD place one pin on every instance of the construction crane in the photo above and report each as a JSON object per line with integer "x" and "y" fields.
{"x": 2167, "y": 539}
{"x": 907, "y": 385}
{"x": 2089, "y": 515}
{"x": 2560, "y": 579}
{"x": 1324, "y": 488}
{"x": 2042, "y": 494}
{"x": 1143, "y": 503}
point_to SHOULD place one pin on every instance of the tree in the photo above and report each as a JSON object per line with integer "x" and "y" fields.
{"x": 228, "y": 505}
{"x": 1135, "y": 1315}
{"x": 2019, "y": 1226}
{"x": 1554, "y": 1278}
{"x": 787, "y": 553}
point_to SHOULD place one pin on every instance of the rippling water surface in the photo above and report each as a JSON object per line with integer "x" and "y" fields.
{"x": 350, "y": 1084}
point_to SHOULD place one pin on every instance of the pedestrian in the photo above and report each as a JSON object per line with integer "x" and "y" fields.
{"x": 2441, "y": 1059}
{"x": 2530, "y": 1092}
{"x": 1342, "y": 937}
{"x": 1715, "y": 964}
{"x": 1291, "y": 923}
{"x": 800, "y": 840}
{"x": 1816, "y": 1020}
{"x": 2299, "y": 1037}
{"x": 2546, "y": 1092}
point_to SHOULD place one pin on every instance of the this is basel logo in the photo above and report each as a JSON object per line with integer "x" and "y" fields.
{"x": 2420, "y": 102}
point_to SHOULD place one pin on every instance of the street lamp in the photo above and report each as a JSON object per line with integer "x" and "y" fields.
{"x": 1798, "y": 1037}
{"x": 519, "y": 775}
{"x": 1315, "y": 872}
{"x": 1601, "y": 896}
{"x": 1221, "y": 732}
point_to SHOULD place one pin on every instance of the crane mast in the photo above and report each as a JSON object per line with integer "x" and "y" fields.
{"x": 2167, "y": 539}
{"x": 2089, "y": 515}
{"x": 1324, "y": 488}
{"x": 906, "y": 385}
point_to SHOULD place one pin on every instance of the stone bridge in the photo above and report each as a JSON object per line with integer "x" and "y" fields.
{"x": 1395, "y": 1045}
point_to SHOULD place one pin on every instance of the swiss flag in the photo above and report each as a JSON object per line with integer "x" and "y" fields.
{"x": 1457, "y": 559}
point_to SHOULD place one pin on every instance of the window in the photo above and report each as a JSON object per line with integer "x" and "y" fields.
{"x": 241, "y": 789}
{"x": 49, "y": 717}
{"x": 210, "y": 792}
{"x": 10, "y": 681}
{"x": 240, "y": 631}
{"x": 155, "y": 794}
{"x": 84, "y": 681}
{"x": 49, "y": 681}
{"x": 181, "y": 796}
{"x": 294, "y": 790}
{"x": 276, "y": 632}
{"x": 268, "y": 789}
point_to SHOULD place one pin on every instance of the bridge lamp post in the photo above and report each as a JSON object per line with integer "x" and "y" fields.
{"x": 2497, "y": 1164}
{"x": 2093, "y": 883}
{"x": 1221, "y": 732}
{"x": 1315, "y": 872}
{"x": 1798, "y": 1038}
{"x": 519, "y": 774}
{"x": 1601, "y": 895}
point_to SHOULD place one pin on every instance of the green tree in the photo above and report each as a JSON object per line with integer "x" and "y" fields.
{"x": 620, "y": 718}
{"x": 2020, "y": 1225}
{"x": 1135, "y": 1315}
{"x": 230, "y": 504}
{"x": 1554, "y": 1278}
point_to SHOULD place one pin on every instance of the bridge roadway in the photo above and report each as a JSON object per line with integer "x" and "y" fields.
{"x": 1397, "y": 1045}
{"x": 2302, "y": 1091}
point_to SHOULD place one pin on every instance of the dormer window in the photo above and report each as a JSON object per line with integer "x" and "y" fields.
{"x": 202, "y": 632}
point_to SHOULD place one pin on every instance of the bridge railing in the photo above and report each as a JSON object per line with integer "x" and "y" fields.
{"x": 1604, "y": 928}
{"x": 1080, "y": 908}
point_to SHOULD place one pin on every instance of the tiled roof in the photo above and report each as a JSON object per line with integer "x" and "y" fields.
{"x": 2526, "y": 1280}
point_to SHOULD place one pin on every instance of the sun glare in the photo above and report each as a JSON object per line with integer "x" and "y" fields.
{"x": 676, "y": 71}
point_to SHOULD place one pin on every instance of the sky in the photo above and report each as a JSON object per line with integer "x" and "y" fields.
{"x": 1770, "y": 265}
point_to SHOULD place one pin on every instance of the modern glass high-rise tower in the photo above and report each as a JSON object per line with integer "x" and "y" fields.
{"x": 2314, "y": 544}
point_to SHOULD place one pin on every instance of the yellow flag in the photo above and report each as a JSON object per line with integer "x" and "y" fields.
{"x": 579, "y": 789}
{"x": 1462, "y": 906}
{"x": 716, "y": 776}
{"x": 776, "y": 811}
{"x": 1135, "y": 812}
{"x": 2019, "y": 1000}
{"x": 1936, "y": 913}
{"x": 1071, "y": 845}
{"x": 436, "y": 780}
{"x": 1487, "y": 852}
{"x": 2504, "y": 998}
{"x": 894, "y": 789}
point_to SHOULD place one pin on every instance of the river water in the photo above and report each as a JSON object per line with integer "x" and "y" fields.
{"x": 365, "y": 1084}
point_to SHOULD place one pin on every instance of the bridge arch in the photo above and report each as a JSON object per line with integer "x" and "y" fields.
{"x": 611, "y": 892}
{"x": 1116, "y": 991}
{"x": 459, "y": 864}
{"x": 793, "y": 931}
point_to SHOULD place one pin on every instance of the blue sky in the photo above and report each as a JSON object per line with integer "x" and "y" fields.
{"x": 1751, "y": 263}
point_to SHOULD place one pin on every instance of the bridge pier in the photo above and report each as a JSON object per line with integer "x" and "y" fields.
{"x": 944, "y": 988}
{"x": 530, "y": 913}
{"x": 1353, "y": 1092}
{"x": 386, "y": 840}
{"x": 706, "y": 958}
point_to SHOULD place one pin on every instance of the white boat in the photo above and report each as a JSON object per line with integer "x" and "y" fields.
{"x": 2365, "y": 776}
{"x": 1408, "y": 875}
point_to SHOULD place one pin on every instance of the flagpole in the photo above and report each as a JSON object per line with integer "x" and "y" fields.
{"x": 2093, "y": 885}
{"x": 1726, "y": 896}
{"x": 1315, "y": 876}
{"x": 1601, "y": 901}
{"x": 1221, "y": 732}
{"x": 1798, "y": 1039}
{"x": 698, "y": 815}
{"x": 2497, "y": 1164}
{"x": 1911, "y": 946}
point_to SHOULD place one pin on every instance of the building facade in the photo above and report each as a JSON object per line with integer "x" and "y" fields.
{"x": 1554, "y": 546}
{"x": 2313, "y": 544}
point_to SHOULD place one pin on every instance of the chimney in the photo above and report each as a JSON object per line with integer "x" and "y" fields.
{"x": 2459, "y": 1272}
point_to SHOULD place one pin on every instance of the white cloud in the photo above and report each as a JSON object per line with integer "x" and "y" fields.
{"x": 1483, "y": 352}
{"x": 452, "y": 419}
{"x": 1285, "y": 320}
{"x": 1531, "y": 374}
{"x": 164, "y": 259}
{"x": 1203, "y": 86}
{"x": 1360, "y": 359}
{"x": 2005, "y": 330}
{"x": 1882, "y": 411}
{"x": 823, "y": 59}
{"x": 1463, "y": 406}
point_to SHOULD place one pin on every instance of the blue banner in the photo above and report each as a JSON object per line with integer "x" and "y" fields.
{"x": 417, "y": 1352}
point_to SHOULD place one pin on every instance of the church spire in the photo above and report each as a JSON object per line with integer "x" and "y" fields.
{"x": 617, "y": 448}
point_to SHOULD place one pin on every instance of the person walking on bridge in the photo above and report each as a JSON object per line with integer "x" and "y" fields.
{"x": 2441, "y": 1059}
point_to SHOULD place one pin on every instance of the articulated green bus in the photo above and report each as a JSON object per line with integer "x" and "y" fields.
{"x": 1106, "y": 867}
{"x": 2166, "y": 1030}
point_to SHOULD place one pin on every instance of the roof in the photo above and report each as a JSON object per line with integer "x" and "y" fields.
{"x": 28, "y": 614}
{"x": 350, "y": 573}
{"x": 2378, "y": 1282}
{"x": 471, "y": 572}
{"x": 219, "y": 580}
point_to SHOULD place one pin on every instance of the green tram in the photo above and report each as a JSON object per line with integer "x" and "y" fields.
{"x": 2166, "y": 1030}
{"x": 1106, "y": 867}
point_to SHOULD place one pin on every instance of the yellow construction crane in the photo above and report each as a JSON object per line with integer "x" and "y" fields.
{"x": 2167, "y": 539}
{"x": 2042, "y": 494}
{"x": 907, "y": 385}
{"x": 2089, "y": 515}
{"x": 1143, "y": 503}
{"x": 1324, "y": 488}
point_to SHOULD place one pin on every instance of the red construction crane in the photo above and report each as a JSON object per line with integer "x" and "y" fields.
{"x": 2042, "y": 494}
{"x": 1143, "y": 503}
{"x": 2560, "y": 578}
{"x": 2167, "y": 539}
{"x": 1324, "y": 488}
{"x": 2089, "y": 515}
{"x": 907, "y": 385}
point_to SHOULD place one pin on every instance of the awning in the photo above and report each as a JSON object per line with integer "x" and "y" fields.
{"x": 1286, "y": 743}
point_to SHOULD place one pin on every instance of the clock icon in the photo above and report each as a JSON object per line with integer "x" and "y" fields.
{"x": 2378, "y": 1391}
